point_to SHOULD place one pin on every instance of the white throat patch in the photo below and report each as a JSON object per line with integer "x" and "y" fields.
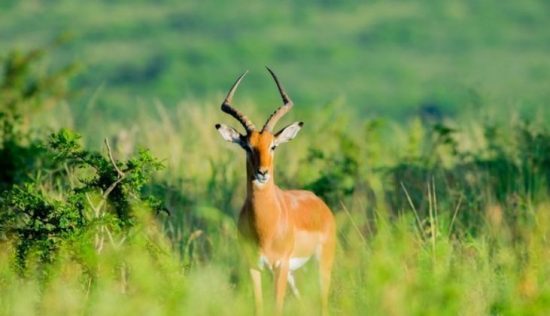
{"x": 259, "y": 184}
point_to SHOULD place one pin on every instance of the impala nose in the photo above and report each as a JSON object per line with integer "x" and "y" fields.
{"x": 262, "y": 175}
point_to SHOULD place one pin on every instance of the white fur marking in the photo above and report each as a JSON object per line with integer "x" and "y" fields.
{"x": 296, "y": 263}
{"x": 260, "y": 184}
{"x": 263, "y": 262}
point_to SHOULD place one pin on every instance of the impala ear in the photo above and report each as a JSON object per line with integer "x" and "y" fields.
{"x": 288, "y": 133}
{"x": 229, "y": 133}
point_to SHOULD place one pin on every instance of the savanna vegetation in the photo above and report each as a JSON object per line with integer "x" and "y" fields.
{"x": 425, "y": 132}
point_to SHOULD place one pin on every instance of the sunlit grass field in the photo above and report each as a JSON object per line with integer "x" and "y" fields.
{"x": 434, "y": 218}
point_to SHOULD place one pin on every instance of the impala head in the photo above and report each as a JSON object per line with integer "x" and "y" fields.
{"x": 259, "y": 145}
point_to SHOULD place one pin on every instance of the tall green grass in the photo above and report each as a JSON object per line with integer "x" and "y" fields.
{"x": 439, "y": 217}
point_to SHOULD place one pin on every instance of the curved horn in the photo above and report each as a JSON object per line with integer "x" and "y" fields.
{"x": 229, "y": 109}
{"x": 282, "y": 110}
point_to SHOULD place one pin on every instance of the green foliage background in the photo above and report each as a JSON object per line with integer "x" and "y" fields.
{"x": 425, "y": 131}
{"x": 380, "y": 57}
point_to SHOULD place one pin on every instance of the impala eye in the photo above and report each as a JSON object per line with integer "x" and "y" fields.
{"x": 273, "y": 147}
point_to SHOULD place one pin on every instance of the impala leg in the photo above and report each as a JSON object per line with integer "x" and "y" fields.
{"x": 292, "y": 283}
{"x": 281, "y": 275}
{"x": 326, "y": 259}
{"x": 256, "y": 276}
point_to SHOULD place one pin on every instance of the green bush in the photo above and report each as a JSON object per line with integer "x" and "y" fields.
{"x": 54, "y": 191}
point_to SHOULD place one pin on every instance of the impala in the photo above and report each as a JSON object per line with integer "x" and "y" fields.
{"x": 278, "y": 229}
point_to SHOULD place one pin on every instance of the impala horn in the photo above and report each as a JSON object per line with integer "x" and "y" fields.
{"x": 229, "y": 109}
{"x": 282, "y": 110}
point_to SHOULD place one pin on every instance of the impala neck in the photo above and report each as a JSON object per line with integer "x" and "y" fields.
{"x": 263, "y": 202}
{"x": 253, "y": 188}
